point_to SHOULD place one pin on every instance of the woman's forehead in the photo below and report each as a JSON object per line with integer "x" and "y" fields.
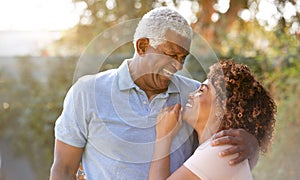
{"x": 209, "y": 84}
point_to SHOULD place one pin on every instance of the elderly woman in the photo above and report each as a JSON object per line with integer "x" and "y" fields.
{"x": 230, "y": 98}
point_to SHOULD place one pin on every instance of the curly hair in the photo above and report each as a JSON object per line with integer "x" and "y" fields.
{"x": 245, "y": 102}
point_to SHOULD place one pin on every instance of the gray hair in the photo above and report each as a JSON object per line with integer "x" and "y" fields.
{"x": 156, "y": 22}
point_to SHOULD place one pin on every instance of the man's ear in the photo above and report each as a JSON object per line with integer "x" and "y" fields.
{"x": 142, "y": 45}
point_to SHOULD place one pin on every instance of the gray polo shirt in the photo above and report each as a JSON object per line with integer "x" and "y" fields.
{"x": 113, "y": 120}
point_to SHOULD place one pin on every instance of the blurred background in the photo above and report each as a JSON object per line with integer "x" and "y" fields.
{"x": 42, "y": 40}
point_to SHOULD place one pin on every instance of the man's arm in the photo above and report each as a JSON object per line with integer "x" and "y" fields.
{"x": 66, "y": 161}
{"x": 244, "y": 143}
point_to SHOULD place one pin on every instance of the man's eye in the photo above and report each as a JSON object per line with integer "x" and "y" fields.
{"x": 171, "y": 55}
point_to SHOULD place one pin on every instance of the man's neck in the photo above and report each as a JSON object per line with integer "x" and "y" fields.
{"x": 141, "y": 81}
{"x": 151, "y": 95}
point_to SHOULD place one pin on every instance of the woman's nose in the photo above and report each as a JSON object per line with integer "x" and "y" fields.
{"x": 192, "y": 95}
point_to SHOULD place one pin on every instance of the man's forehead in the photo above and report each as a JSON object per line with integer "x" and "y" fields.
{"x": 177, "y": 48}
{"x": 178, "y": 40}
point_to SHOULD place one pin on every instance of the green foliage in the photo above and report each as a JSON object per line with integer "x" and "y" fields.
{"x": 34, "y": 96}
{"x": 97, "y": 17}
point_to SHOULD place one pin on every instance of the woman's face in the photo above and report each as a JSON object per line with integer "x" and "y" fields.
{"x": 200, "y": 106}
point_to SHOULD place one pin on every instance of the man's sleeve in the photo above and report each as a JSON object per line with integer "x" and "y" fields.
{"x": 71, "y": 126}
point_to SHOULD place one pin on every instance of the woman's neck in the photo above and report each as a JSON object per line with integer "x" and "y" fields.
{"x": 207, "y": 129}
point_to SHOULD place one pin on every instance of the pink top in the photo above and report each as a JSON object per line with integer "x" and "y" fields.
{"x": 208, "y": 165}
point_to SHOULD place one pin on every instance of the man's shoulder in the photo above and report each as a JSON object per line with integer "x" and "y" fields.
{"x": 100, "y": 75}
{"x": 89, "y": 81}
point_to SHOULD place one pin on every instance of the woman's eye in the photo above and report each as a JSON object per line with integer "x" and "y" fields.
{"x": 196, "y": 94}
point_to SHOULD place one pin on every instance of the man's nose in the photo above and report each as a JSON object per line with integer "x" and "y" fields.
{"x": 178, "y": 65}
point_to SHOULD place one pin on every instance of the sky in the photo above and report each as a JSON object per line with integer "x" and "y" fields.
{"x": 28, "y": 26}
{"x": 56, "y": 15}
{"x": 33, "y": 24}
{"x": 38, "y": 15}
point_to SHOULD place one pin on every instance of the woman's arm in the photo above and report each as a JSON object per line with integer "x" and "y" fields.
{"x": 160, "y": 168}
{"x": 166, "y": 128}
{"x": 168, "y": 124}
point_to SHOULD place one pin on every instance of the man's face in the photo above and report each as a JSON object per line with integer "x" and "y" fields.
{"x": 160, "y": 63}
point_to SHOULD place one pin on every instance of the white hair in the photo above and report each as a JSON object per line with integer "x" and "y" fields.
{"x": 156, "y": 22}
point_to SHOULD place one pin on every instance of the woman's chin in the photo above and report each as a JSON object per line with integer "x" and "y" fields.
{"x": 184, "y": 113}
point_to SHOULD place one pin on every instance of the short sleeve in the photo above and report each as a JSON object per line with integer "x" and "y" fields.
{"x": 208, "y": 165}
{"x": 71, "y": 126}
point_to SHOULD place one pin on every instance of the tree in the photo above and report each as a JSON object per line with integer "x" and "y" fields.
{"x": 97, "y": 17}
{"x": 225, "y": 19}
{"x": 32, "y": 102}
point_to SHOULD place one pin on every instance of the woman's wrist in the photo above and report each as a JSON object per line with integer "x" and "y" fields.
{"x": 162, "y": 148}
{"x": 163, "y": 140}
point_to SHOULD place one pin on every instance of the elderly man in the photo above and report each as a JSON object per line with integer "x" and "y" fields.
{"x": 108, "y": 120}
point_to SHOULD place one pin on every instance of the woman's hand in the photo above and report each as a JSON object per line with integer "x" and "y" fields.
{"x": 168, "y": 122}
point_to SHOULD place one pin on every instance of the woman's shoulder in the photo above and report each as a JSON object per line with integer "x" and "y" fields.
{"x": 207, "y": 149}
{"x": 207, "y": 164}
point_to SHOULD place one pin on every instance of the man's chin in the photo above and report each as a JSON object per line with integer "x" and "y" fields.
{"x": 164, "y": 84}
{"x": 164, "y": 77}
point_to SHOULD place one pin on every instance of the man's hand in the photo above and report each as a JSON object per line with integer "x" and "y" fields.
{"x": 244, "y": 143}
